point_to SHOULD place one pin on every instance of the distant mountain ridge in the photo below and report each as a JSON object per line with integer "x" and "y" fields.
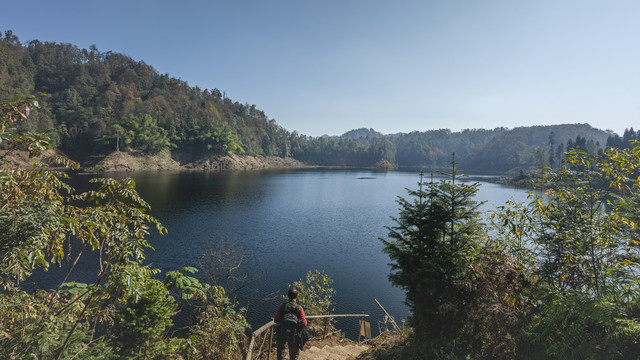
{"x": 361, "y": 133}
{"x": 500, "y": 149}
{"x": 564, "y": 132}
{"x": 99, "y": 102}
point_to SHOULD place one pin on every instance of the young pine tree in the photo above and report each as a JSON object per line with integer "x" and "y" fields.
{"x": 430, "y": 248}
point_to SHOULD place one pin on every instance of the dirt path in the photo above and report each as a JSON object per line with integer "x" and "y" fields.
{"x": 335, "y": 352}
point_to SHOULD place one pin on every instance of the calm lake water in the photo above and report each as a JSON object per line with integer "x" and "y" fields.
{"x": 286, "y": 223}
{"x": 289, "y": 222}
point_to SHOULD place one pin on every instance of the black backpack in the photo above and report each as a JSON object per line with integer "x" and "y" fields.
{"x": 290, "y": 320}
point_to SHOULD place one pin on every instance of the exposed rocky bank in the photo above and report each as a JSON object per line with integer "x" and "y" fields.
{"x": 131, "y": 161}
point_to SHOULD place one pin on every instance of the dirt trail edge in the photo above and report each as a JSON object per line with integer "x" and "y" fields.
{"x": 335, "y": 352}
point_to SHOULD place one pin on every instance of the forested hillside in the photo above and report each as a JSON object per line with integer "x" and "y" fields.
{"x": 98, "y": 102}
{"x": 97, "y": 99}
{"x": 499, "y": 150}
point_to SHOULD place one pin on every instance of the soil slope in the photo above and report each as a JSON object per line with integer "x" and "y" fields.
{"x": 20, "y": 158}
{"x": 131, "y": 161}
{"x": 336, "y": 352}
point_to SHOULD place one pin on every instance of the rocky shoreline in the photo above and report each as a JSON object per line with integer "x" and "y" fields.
{"x": 129, "y": 162}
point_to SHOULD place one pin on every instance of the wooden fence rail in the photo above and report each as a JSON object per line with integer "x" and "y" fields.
{"x": 268, "y": 325}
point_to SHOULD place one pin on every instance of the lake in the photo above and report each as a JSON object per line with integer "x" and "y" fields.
{"x": 288, "y": 222}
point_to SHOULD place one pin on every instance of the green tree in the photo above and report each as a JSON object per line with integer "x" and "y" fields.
{"x": 142, "y": 310}
{"x": 579, "y": 240}
{"x": 316, "y": 296}
{"x": 139, "y": 133}
{"x": 540, "y": 158}
{"x": 431, "y": 246}
{"x": 552, "y": 154}
{"x": 219, "y": 331}
{"x": 575, "y": 241}
{"x": 44, "y": 223}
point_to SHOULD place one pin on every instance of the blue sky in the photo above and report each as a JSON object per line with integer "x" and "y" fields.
{"x": 326, "y": 67}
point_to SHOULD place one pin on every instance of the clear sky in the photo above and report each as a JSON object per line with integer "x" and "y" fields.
{"x": 326, "y": 67}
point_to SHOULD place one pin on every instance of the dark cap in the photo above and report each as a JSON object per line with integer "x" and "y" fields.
{"x": 293, "y": 293}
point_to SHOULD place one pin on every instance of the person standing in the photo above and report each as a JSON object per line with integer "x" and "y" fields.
{"x": 290, "y": 321}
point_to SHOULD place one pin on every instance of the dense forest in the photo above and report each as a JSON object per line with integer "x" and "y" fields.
{"x": 624, "y": 142}
{"x": 98, "y": 102}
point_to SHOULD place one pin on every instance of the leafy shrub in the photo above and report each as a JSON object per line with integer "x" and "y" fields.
{"x": 219, "y": 332}
{"x": 580, "y": 327}
{"x": 143, "y": 312}
{"x": 316, "y": 296}
{"x": 31, "y": 326}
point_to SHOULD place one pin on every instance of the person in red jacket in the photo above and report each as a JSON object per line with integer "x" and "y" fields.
{"x": 290, "y": 320}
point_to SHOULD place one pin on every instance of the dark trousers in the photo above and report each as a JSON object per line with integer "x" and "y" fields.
{"x": 294, "y": 350}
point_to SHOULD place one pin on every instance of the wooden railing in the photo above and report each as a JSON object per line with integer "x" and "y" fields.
{"x": 270, "y": 325}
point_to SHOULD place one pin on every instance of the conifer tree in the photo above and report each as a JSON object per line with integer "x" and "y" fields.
{"x": 430, "y": 247}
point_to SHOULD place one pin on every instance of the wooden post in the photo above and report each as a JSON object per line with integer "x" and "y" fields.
{"x": 253, "y": 338}
{"x": 359, "y": 330}
{"x": 270, "y": 343}
{"x": 325, "y": 328}
{"x": 389, "y": 316}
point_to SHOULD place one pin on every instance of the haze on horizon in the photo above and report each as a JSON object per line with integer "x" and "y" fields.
{"x": 329, "y": 67}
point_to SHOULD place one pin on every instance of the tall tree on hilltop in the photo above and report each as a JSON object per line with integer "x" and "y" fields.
{"x": 552, "y": 143}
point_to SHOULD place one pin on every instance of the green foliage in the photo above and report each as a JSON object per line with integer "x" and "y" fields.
{"x": 42, "y": 218}
{"x": 315, "y": 293}
{"x": 11, "y": 114}
{"x": 219, "y": 331}
{"x": 189, "y": 287}
{"x": 213, "y": 139}
{"x": 574, "y": 235}
{"x": 32, "y": 326}
{"x": 499, "y": 304}
{"x": 35, "y": 217}
{"x": 343, "y": 151}
{"x": 316, "y": 296}
{"x": 143, "y": 311}
{"x": 556, "y": 278}
{"x": 98, "y": 97}
{"x": 431, "y": 247}
{"x": 580, "y": 327}
{"x": 43, "y": 222}
{"x": 496, "y": 150}
{"x": 579, "y": 240}
{"x": 139, "y": 133}
{"x": 626, "y": 141}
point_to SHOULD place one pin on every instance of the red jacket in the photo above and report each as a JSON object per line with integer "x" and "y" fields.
{"x": 280, "y": 313}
